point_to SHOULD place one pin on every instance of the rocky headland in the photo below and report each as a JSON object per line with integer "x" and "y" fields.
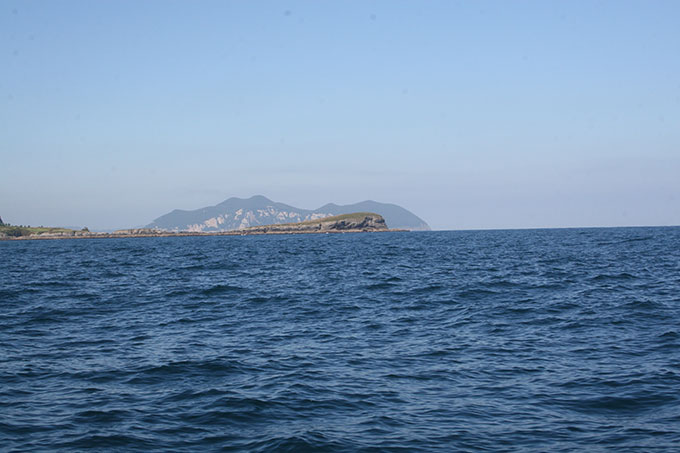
{"x": 357, "y": 222}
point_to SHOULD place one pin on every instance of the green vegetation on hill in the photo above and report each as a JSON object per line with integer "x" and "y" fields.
{"x": 17, "y": 231}
{"x": 358, "y": 216}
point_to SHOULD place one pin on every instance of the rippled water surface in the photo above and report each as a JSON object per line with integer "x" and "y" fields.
{"x": 534, "y": 340}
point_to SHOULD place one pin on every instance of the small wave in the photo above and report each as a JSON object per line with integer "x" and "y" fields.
{"x": 105, "y": 442}
{"x": 99, "y": 377}
{"x": 621, "y": 276}
{"x": 189, "y": 395}
{"x": 621, "y": 403}
{"x": 503, "y": 284}
{"x": 99, "y": 416}
{"x": 44, "y": 315}
{"x": 85, "y": 296}
{"x": 159, "y": 372}
{"x": 381, "y": 285}
{"x": 623, "y": 241}
{"x": 51, "y": 284}
{"x": 90, "y": 343}
{"x": 647, "y": 305}
{"x": 642, "y": 239}
{"x": 112, "y": 274}
{"x": 193, "y": 267}
{"x": 308, "y": 442}
{"x": 221, "y": 289}
{"x": 671, "y": 334}
{"x": 7, "y": 293}
{"x": 476, "y": 293}
{"x": 518, "y": 310}
{"x": 178, "y": 292}
{"x": 427, "y": 289}
{"x": 265, "y": 299}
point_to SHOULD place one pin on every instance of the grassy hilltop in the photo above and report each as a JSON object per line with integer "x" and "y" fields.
{"x": 17, "y": 231}
{"x": 354, "y": 216}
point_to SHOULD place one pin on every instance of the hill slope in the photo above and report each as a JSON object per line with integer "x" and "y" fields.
{"x": 238, "y": 213}
{"x": 394, "y": 215}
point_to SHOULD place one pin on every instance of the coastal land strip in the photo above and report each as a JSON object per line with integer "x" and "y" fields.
{"x": 360, "y": 222}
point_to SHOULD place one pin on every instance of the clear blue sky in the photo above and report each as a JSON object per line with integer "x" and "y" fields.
{"x": 472, "y": 114}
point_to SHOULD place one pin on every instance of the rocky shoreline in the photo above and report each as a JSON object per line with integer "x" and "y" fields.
{"x": 348, "y": 223}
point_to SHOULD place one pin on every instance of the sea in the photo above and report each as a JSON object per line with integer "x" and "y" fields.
{"x": 547, "y": 340}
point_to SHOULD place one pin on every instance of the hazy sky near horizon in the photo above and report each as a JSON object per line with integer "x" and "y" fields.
{"x": 472, "y": 114}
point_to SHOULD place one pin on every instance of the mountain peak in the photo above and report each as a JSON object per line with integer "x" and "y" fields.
{"x": 260, "y": 198}
{"x": 253, "y": 199}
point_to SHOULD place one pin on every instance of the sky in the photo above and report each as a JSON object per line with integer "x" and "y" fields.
{"x": 471, "y": 114}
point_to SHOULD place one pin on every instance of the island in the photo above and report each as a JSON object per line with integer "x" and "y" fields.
{"x": 358, "y": 222}
{"x": 238, "y": 213}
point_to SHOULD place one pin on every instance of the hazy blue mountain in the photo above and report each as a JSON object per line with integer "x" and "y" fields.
{"x": 237, "y": 213}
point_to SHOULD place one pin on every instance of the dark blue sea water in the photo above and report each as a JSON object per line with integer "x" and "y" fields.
{"x": 534, "y": 340}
